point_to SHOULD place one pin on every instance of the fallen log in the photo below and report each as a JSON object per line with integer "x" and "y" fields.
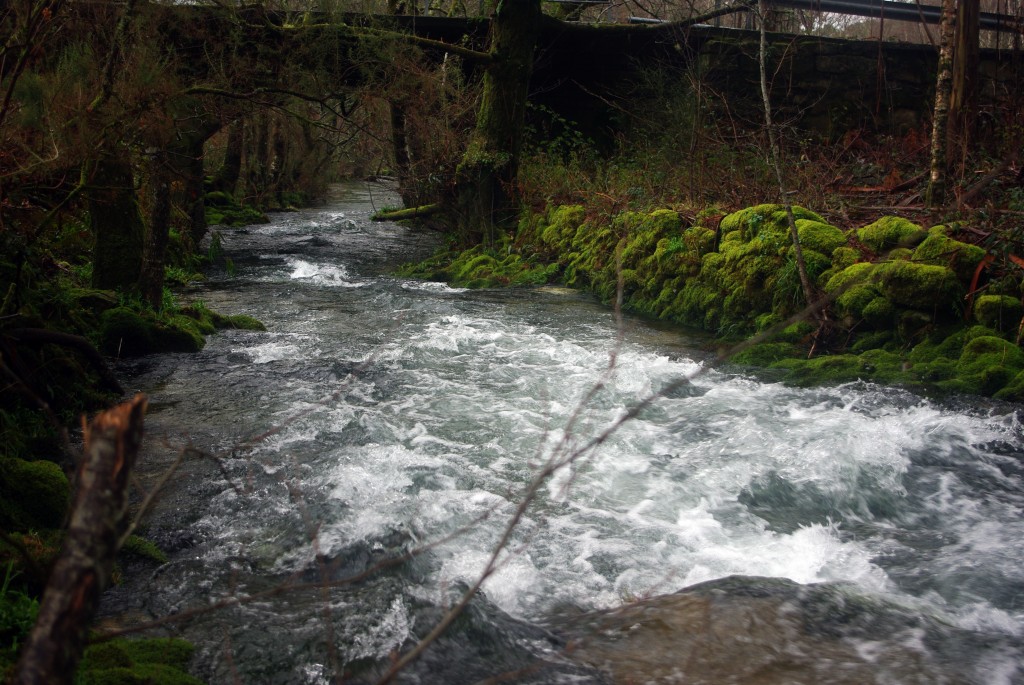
{"x": 408, "y": 213}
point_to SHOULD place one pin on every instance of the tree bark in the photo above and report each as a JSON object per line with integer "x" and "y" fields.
{"x": 151, "y": 279}
{"x": 118, "y": 229}
{"x": 83, "y": 568}
{"x": 776, "y": 154}
{"x": 226, "y": 180}
{"x": 486, "y": 183}
{"x": 935, "y": 196}
{"x": 963, "y": 98}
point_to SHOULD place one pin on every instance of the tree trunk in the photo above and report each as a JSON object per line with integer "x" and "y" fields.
{"x": 118, "y": 229}
{"x": 966, "y": 57}
{"x": 195, "y": 207}
{"x": 151, "y": 280}
{"x": 226, "y": 180}
{"x": 257, "y": 160}
{"x": 403, "y": 158}
{"x": 935, "y": 196}
{"x": 83, "y": 568}
{"x": 486, "y": 183}
{"x": 776, "y": 154}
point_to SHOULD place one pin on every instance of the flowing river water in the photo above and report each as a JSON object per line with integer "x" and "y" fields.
{"x": 380, "y": 415}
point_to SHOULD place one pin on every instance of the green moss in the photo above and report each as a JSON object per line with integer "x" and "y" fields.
{"x": 939, "y": 250}
{"x": 986, "y": 365}
{"x": 871, "y": 341}
{"x": 1000, "y": 312}
{"x": 562, "y": 223}
{"x": 855, "y": 299}
{"x": 826, "y": 370}
{"x": 844, "y": 257}
{"x": 178, "y": 334}
{"x": 820, "y": 237}
{"x": 35, "y": 494}
{"x": 141, "y": 547}
{"x": 920, "y": 286}
{"x": 879, "y": 313}
{"x": 222, "y": 209}
{"x": 889, "y": 232}
{"x": 137, "y": 662}
{"x": 766, "y": 354}
{"x": 242, "y": 322}
{"x": 1013, "y": 391}
{"x": 850, "y": 276}
{"x": 124, "y": 332}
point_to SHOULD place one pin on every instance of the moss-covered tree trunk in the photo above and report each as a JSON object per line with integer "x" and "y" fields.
{"x": 226, "y": 178}
{"x": 935, "y": 196}
{"x": 192, "y": 182}
{"x": 486, "y": 183}
{"x": 151, "y": 279}
{"x": 117, "y": 226}
{"x": 403, "y": 157}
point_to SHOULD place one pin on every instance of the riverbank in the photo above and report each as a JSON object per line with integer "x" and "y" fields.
{"x": 900, "y": 304}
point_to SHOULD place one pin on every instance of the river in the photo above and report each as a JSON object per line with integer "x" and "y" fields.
{"x": 380, "y": 415}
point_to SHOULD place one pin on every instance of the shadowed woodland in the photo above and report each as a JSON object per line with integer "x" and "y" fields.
{"x": 550, "y": 142}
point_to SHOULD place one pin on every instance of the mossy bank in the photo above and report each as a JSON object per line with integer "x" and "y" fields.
{"x": 903, "y": 304}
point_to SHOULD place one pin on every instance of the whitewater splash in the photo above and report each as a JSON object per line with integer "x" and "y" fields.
{"x": 404, "y": 412}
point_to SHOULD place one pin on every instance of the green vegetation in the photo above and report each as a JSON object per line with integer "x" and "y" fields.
{"x": 158, "y": 661}
{"x": 897, "y": 318}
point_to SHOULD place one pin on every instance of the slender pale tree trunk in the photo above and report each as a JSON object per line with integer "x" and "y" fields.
{"x": 935, "y": 196}
{"x": 776, "y": 155}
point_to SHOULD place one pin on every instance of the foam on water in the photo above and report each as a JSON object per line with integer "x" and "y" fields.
{"x": 419, "y": 408}
{"x": 330, "y": 275}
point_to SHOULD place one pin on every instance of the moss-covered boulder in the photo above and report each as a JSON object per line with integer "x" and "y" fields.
{"x": 769, "y": 217}
{"x": 126, "y": 332}
{"x": 987, "y": 365}
{"x": 137, "y": 662}
{"x": 924, "y": 287}
{"x": 819, "y": 236}
{"x": 561, "y": 224}
{"x": 890, "y": 232}
{"x": 1000, "y": 312}
{"x": 36, "y": 494}
{"x": 940, "y": 250}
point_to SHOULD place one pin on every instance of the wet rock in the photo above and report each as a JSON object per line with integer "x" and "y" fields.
{"x": 767, "y": 630}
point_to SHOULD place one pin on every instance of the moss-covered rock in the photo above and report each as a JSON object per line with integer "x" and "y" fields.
{"x": 137, "y": 662}
{"x": 920, "y": 286}
{"x": 818, "y": 236}
{"x": 889, "y": 232}
{"x": 986, "y": 365}
{"x": 940, "y": 250}
{"x": 139, "y": 546}
{"x": 1000, "y": 312}
{"x": 126, "y": 332}
{"x": 766, "y": 354}
{"x": 36, "y": 494}
{"x": 242, "y": 322}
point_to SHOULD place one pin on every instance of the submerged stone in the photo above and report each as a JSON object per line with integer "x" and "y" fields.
{"x": 761, "y": 631}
